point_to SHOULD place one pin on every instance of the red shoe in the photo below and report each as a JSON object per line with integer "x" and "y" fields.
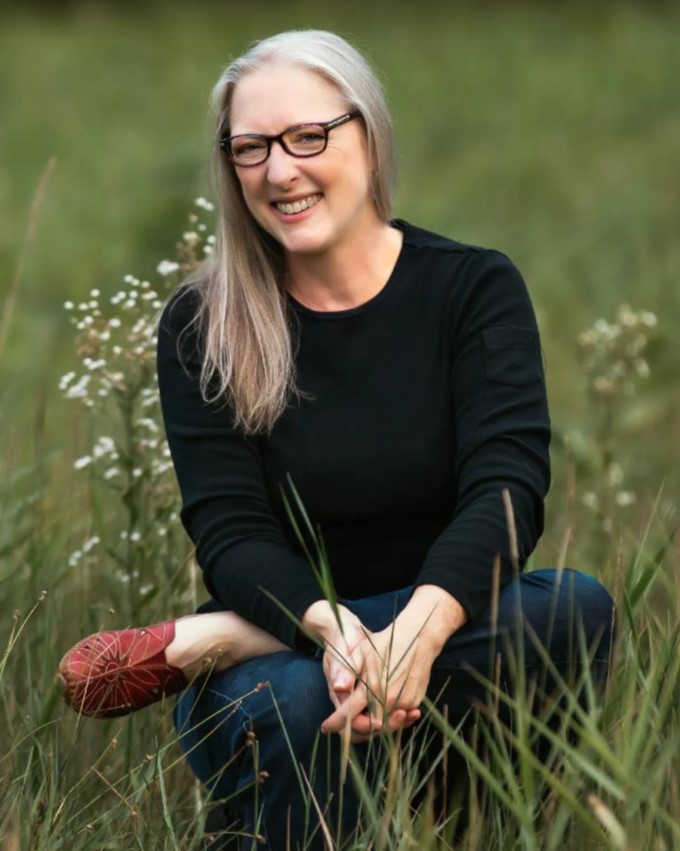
{"x": 115, "y": 673}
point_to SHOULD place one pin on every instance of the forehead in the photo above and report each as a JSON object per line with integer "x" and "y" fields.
{"x": 278, "y": 95}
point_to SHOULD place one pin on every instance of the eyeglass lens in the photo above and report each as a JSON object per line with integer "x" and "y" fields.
{"x": 304, "y": 141}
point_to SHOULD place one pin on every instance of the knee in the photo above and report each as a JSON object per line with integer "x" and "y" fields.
{"x": 583, "y": 612}
{"x": 562, "y": 609}
{"x": 284, "y": 704}
{"x": 594, "y": 610}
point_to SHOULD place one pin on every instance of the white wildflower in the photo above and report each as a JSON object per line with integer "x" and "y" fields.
{"x": 167, "y": 267}
{"x": 615, "y": 474}
{"x": 590, "y": 500}
{"x": 147, "y": 422}
{"x": 104, "y": 446}
{"x": 204, "y": 204}
{"x": 135, "y": 536}
{"x": 68, "y": 305}
{"x": 642, "y": 368}
{"x": 624, "y": 498}
{"x": 90, "y": 543}
{"x": 66, "y": 380}
{"x": 81, "y": 463}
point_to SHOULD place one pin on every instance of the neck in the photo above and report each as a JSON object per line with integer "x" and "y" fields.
{"x": 347, "y": 275}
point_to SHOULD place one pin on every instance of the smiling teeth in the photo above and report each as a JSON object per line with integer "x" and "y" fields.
{"x": 298, "y": 206}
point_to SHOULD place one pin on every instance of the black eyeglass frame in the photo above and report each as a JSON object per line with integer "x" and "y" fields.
{"x": 226, "y": 141}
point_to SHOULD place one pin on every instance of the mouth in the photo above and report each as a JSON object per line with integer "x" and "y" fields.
{"x": 290, "y": 208}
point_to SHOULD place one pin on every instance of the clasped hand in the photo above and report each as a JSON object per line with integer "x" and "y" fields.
{"x": 376, "y": 680}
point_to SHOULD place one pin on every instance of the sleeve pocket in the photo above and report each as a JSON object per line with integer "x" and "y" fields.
{"x": 513, "y": 355}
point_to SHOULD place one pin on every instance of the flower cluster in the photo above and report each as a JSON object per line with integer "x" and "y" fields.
{"x": 612, "y": 353}
{"x": 116, "y": 381}
{"x": 613, "y": 361}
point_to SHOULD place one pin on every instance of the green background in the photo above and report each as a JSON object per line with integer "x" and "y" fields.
{"x": 549, "y": 132}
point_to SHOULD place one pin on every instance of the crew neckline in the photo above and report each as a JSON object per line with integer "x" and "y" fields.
{"x": 303, "y": 310}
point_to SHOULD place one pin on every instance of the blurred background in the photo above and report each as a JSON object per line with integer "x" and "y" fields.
{"x": 550, "y": 132}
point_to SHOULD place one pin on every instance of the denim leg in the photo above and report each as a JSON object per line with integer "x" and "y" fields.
{"x": 561, "y": 613}
{"x": 252, "y": 736}
{"x": 232, "y": 732}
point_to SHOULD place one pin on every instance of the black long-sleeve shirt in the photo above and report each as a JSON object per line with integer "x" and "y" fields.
{"x": 428, "y": 401}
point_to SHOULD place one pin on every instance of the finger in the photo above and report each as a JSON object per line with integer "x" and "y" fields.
{"x": 337, "y": 721}
{"x": 366, "y": 724}
{"x": 341, "y": 673}
{"x": 342, "y": 680}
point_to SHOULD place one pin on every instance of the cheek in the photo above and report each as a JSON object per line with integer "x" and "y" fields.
{"x": 252, "y": 197}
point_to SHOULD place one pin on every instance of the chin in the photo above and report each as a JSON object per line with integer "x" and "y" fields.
{"x": 304, "y": 243}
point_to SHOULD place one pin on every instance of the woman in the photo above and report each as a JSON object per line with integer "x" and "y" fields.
{"x": 395, "y": 376}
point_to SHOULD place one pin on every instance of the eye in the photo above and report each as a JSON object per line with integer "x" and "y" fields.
{"x": 246, "y": 145}
{"x": 304, "y": 136}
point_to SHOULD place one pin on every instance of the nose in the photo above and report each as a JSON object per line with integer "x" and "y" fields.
{"x": 281, "y": 166}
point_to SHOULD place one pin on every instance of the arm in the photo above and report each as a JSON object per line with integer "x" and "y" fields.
{"x": 225, "y": 507}
{"x": 502, "y": 434}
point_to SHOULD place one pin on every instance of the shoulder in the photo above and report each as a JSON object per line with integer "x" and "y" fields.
{"x": 181, "y": 310}
{"x": 450, "y": 253}
{"x": 460, "y": 268}
{"x": 179, "y": 329}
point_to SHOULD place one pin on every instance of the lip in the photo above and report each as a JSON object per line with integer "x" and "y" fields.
{"x": 291, "y": 199}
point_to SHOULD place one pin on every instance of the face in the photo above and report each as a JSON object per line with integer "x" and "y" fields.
{"x": 334, "y": 186}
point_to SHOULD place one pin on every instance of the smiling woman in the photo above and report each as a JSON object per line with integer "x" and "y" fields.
{"x": 396, "y": 376}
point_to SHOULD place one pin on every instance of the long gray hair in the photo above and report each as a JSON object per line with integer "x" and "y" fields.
{"x": 248, "y": 350}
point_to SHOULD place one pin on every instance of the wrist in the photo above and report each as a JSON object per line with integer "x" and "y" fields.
{"x": 435, "y": 614}
{"x": 320, "y": 621}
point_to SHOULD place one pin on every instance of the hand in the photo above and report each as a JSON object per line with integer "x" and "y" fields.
{"x": 384, "y": 682}
{"x": 391, "y": 674}
{"x": 341, "y": 634}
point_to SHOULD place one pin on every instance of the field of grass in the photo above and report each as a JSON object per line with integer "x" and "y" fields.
{"x": 549, "y": 133}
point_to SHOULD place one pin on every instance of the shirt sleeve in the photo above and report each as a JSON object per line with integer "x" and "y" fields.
{"x": 502, "y": 433}
{"x": 225, "y": 506}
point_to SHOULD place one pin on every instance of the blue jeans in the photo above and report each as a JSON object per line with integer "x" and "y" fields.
{"x": 232, "y": 727}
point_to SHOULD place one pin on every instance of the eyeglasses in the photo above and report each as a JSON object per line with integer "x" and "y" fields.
{"x": 302, "y": 140}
